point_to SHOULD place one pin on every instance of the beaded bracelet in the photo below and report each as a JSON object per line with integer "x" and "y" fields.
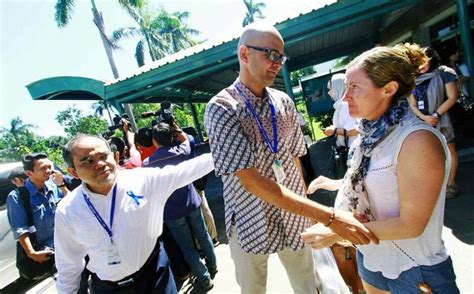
{"x": 331, "y": 219}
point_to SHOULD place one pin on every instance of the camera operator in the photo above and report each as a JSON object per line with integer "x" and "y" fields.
{"x": 118, "y": 146}
{"x": 165, "y": 114}
{"x": 182, "y": 213}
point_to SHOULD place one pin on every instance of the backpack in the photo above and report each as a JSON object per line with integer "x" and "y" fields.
{"x": 27, "y": 267}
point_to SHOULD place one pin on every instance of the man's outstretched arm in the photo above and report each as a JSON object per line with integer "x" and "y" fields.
{"x": 344, "y": 224}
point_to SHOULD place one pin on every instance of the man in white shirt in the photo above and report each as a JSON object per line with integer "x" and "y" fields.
{"x": 115, "y": 217}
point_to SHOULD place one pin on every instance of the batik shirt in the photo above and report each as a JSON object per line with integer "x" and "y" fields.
{"x": 237, "y": 144}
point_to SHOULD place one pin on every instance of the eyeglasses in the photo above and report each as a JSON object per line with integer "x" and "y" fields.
{"x": 272, "y": 54}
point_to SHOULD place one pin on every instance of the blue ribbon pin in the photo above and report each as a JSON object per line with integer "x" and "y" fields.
{"x": 134, "y": 197}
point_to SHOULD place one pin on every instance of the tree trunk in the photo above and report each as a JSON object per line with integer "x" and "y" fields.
{"x": 99, "y": 22}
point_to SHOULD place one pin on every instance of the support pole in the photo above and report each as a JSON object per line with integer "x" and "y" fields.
{"x": 466, "y": 40}
{"x": 287, "y": 80}
{"x": 197, "y": 126}
{"x": 128, "y": 110}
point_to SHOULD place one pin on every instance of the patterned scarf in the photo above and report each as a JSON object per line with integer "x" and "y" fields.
{"x": 355, "y": 196}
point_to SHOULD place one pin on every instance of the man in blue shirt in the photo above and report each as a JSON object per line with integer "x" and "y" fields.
{"x": 182, "y": 213}
{"x": 43, "y": 196}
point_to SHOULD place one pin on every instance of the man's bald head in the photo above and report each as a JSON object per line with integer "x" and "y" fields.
{"x": 254, "y": 32}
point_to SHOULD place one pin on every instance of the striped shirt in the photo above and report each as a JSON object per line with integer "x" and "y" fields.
{"x": 237, "y": 144}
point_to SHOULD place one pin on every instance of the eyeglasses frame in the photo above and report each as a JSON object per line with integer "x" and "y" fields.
{"x": 281, "y": 57}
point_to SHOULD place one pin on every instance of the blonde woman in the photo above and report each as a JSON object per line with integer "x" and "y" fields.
{"x": 396, "y": 181}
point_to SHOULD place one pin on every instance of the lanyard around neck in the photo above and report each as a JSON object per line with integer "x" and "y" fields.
{"x": 97, "y": 215}
{"x": 273, "y": 147}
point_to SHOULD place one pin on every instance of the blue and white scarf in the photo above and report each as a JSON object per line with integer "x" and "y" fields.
{"x": 373, "y": 132}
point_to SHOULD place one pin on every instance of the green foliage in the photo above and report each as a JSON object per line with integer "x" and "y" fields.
{"x": 160, "y": 31}
{"x": 181, "y": 112}
{"x": 19, "y": 140}
{"x": 317, "y": 122}
{"x": 254, "y": 9}
{"x": 74, "y": 122}
{"x": 325, "y": 120}
{"x": 296, "y": 75}
{"x": 343, "y": 61}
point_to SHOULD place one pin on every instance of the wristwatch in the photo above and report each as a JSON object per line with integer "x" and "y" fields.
{"x": 436, "y": 114}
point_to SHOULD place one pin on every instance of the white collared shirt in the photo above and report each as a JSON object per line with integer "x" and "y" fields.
{"x": 136, "y": 227}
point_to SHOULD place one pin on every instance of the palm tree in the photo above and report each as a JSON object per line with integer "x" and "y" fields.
{"x": 62, "y": 16}
{"x": 99, "y": 108}
{"x": 17, "y": 128}
{"x": 161, "y": 34}
{"x": 253, "y": 10}
{"x": 176, "y": 31}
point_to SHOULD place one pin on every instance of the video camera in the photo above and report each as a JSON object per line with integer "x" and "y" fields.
{"x": 119, "y": 122}
{"x": 164, "y": 114}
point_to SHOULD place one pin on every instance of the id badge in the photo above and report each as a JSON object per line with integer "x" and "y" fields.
{"x": 421, "y": 104}
{"x": 113, "y": 256}
{"x": 278, "y": 171}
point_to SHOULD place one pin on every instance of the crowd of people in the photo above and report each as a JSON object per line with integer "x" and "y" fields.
{"x": 135, "y": 223}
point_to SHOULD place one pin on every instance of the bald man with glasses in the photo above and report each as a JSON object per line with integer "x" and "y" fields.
{"x": 256, "y": 143}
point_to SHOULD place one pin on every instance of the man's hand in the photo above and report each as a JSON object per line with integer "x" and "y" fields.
{"x": 324, "y": 183}
{"x": 319, "y": 236}
{"x": 346, "y": 226}
{"x": 42, "y": 255}
{"x": 58, "y": 178}
{"x": 125, "y": 125}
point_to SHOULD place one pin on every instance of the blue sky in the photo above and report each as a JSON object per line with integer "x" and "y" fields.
{"x": 32, "y": 47}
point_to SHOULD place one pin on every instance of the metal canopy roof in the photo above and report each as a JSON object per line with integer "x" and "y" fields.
{"x": 198, "y": 73}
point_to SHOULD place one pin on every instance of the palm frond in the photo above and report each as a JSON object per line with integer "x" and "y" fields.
{"x": 134, "y": 13}
{"x": 133, "y": 3}
{"x": 140, "y": 53}
{"x": 63, "y": 10}
{"x": 124, "y": 33}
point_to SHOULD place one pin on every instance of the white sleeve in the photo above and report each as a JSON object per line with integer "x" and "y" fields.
{"x": 170, "y": 178}
{"x": 69, "y": 256}
{"x": 349, "y": 123}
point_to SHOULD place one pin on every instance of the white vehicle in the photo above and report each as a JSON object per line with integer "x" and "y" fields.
{"x": 8, "y": 271}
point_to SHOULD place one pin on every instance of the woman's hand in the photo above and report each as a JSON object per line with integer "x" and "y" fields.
{"x": 322, "y": 182}
{"x": 431, "y": 120}
{"x": 349, "y": 228}
{"x": 329, "y": 131}
{"x": 319, "y": 236}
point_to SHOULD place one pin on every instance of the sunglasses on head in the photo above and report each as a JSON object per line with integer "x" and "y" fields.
{"x": 272, "y": 54}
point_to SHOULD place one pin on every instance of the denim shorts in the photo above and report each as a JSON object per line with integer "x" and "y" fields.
{"x": 440, "y": 277}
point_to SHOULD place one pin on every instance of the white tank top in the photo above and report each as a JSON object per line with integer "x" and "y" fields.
{"x": 382, "y": 188}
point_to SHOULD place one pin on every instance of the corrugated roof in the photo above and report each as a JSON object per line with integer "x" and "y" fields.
{"x": 336, "y": 30}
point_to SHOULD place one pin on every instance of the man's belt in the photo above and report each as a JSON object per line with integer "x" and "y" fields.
{"x": 129, "y": 280}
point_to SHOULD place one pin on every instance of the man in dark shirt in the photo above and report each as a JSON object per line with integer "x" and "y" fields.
{"x": 182, "y": 214}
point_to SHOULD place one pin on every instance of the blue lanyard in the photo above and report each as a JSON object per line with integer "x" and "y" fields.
{"x": 97, "y": 215}
{"x": 274, "y": 147}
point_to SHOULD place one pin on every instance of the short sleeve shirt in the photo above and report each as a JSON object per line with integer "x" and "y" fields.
{"x": 237, "y": 144}
{"x": 43, "y": 209}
